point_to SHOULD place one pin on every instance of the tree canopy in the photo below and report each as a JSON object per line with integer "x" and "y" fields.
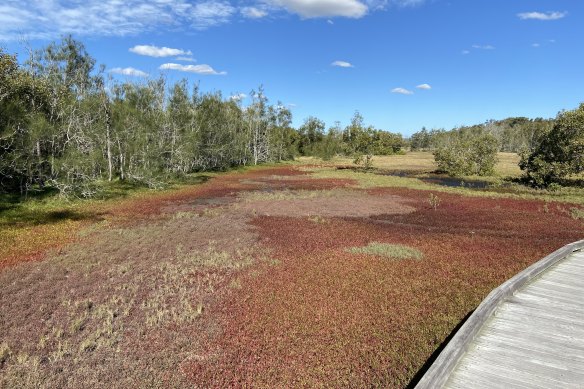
{"x": 560, "y": 153}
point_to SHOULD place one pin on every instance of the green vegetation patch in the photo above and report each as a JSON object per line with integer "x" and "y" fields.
{"x": 577, "y": 213}
{"x": 395, "y": 251}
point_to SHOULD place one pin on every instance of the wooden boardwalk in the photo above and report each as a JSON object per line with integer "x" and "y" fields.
{"x": 528, "y": 333}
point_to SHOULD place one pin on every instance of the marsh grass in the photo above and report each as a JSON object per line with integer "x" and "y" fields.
{"x": 572, "y": 195}
{"x": 291, "y": 195}
{"x": 577, "y": 213}
{"x": 395, "y": 251}
{"x": 421, "y": 161}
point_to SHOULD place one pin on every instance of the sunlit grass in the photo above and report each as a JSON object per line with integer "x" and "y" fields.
{"x": 369, "y": 180}
{"x": 291, "y": 194}
{"x": 421, "y": 162}
{"x": 395, "y": 251}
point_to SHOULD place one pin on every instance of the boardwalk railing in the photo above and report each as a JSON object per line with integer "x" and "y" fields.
{"x": 443, "y": 366}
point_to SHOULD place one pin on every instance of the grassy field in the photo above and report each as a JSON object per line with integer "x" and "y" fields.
{"x": 423, "y": 161}
{"x": 298, "y": 275}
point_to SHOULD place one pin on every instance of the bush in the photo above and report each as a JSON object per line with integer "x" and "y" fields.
{"x": 468, "y": 156}
{"x": 560, "y": 152}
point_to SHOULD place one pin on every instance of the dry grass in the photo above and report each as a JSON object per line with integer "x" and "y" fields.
{"x": 395, "y": 251}
{"x": 290, "y": 195}
{"x": 421, "y": 161}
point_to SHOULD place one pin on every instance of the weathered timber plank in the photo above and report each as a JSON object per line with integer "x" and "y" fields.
{"x": 527, "y": 333}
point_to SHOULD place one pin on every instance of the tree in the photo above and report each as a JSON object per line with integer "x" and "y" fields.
{"x": 468, "y": 155}
{"x": 420, "y": 140}
{"x": 311, "y": 132}
{"x": 23, "y": 123}
{"x": 257, "y": 123}
{"x": 331, "y": 144}
{"x": 560, "y": 152}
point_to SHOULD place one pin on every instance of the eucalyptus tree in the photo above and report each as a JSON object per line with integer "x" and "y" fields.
{"x": 256, "y": 117}
{"x": 183, "y": 135}
{"x": 282, "y": 136}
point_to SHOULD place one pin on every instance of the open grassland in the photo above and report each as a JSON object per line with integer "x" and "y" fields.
{"x": 288, "y": 276}
{"x": 422, "y": 161}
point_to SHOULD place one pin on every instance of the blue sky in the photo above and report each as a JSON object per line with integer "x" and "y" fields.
{"x": 403, "y": 64}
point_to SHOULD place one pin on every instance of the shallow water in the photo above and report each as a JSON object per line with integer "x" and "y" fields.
{"x": 442, "y": 180}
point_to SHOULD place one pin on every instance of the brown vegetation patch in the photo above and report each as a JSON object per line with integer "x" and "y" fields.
{"x": 332, "y": 203}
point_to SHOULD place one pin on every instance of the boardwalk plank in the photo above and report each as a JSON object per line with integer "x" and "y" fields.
{"x": 532, "y": 338}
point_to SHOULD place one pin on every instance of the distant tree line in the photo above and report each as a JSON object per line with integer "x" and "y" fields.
{"x": 551, "y": 150}
{"x": 65, "y": 124}
{"x": 356, "y": 139}
{"x": 513, "y": 135}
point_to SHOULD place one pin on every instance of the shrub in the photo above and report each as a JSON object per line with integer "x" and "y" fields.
{"x": 560, "y": 153}
{"x": 476, "y": 155}
{"x": 364, "y": 160}
{"x": 434, "y": 201}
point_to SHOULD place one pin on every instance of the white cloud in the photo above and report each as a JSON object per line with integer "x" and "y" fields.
{"x": 483, "y": 47}
{"x": 198, "y": 69}
{"x": 253, "y": 12}
{"x": 535, "y": 45}
{"x": 211, "y": 13}
{"x": 48, "y": 19}
{"x": 407, "y": 3}
{"x": 185, "y": 59}
{"x": 465, "y": 52}
{"x": 424, "y": 86}
{"x": 342, "y": 64}
{"x": 323, "y": 8}
{"x": 155, "y": 51}
{"x": 330, "y": 22}
{"x": 402, "y": 91}
{"x": 129, "y": 72}
{"x": 238, "y": 96}
{"x": 542, "y": 15}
